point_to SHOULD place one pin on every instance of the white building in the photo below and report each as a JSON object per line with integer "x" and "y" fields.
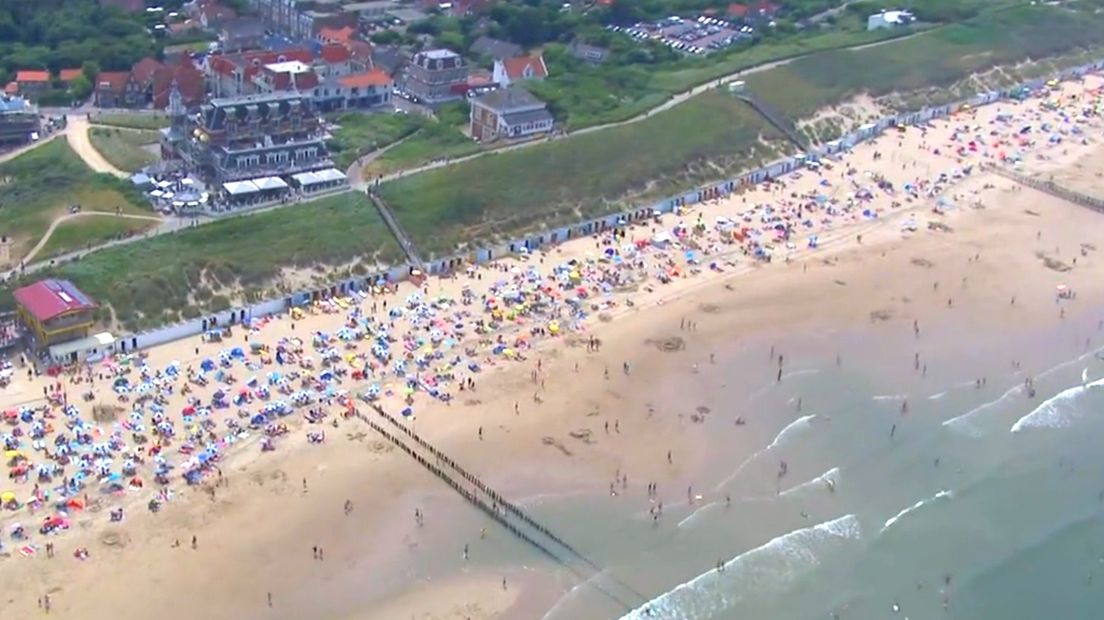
{"x": 889, "y": 19}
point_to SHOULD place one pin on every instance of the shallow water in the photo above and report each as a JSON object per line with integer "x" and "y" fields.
{"x": 982, "y": 500}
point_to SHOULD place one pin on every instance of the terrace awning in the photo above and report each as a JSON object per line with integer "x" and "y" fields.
{"x": 270, "y": 183}
{"x": 304, "y": 179}
{"x": 240, "y": 188}
{"x": 330, "y": 174}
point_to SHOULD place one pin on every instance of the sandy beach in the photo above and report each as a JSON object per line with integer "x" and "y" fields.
{"x": 914, "y": 243}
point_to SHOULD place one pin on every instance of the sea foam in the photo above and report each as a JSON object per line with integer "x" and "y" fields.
{"x": 917, "y": 506}
{"x": 1058, "y": 411}
{"x": 828, "y": 479}
{"x": 780, "y": 439}
{"x": 772, "y": 565}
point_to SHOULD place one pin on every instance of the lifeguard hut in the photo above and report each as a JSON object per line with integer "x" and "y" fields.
{"x": 54, "y": 311}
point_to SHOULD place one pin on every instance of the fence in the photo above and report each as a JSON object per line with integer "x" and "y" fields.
{"x": 535, "y": 241}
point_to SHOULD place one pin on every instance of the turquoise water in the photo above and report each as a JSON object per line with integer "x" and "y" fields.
{"x": 984, "y": 503}
{"x": 979, "y": 503}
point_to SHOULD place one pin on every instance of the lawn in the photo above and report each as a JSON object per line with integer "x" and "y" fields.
{"x": 931, "y": 62}
{"x": 180, "y": 275}
{"x": 360, "y": 133}
{"x": 122, "y": 148}
{"x": 40, "y": 185}
{"x": 709, "y": 137}
{"x": 133, "y": 120}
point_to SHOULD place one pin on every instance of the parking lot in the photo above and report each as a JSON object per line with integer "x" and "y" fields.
{"x": 699, "y": 36}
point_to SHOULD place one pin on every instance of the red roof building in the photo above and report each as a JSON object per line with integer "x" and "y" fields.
{"x": 110, "y": 88}
{"x": 143, "y": 70}
{"x": 343, "y": 35}
{"x": 368, "y": 79}
{"x": 766, "y": 8}
{"x": 519, "y": 69}
{"x": 185, "y": 78}
{"x": 738, "y": 10}
{"x": 68, "y": 75}
{"x": 32, "y": 76}
{"x": 114, "y": 81}
{"x": 46, "y": 300}
{"x": 54, "y": 311}
{"x": 335, "y": 53}
{"x": 361, "y": 51}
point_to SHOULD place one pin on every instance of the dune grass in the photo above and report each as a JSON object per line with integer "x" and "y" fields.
{"x": 581, "y": 176}
{"x": 40, "y": 185}
{"x": 122, "y": 148}
{"x": 928, "y": 62}
{"x": 82, "y": 232}
{"x": 182, "y": 274}
{"x": 360, "y": 133}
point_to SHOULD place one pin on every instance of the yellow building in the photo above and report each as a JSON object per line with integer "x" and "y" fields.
{"x": 54, "y": 311}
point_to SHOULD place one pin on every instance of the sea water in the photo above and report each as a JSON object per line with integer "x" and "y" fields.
{"x": 968, "y": 503}
{"x": 972, "y": 503}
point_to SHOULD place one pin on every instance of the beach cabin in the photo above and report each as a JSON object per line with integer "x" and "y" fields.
{"x": 90, "y": 349}
{"x": 54, "y": 311}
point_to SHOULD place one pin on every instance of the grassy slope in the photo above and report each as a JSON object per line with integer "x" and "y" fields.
{"x": 133, "y": 120}
{"x": 933, "y": 60}
{"x": 583, "y": 96}
{"x": 360, "y": 133}
{"x": 80, "y": 233}
{"x": 580, "y": 176}
{"x": 182, "y": 274}
{"x": 122, "y": 148}
{"x": 513, "y": 192}
{"x": 40, "y": 185}
{"x": 434, "y": 141}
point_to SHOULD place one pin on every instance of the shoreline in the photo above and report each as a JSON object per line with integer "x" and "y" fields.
{"x": 333, "y": 468}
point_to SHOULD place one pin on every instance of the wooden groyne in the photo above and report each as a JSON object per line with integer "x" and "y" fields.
{"x": 494, "y": 505}
{"x": 1049, "y": 187}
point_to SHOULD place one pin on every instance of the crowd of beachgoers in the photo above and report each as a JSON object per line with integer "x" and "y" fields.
{"x": 129, "y": 432}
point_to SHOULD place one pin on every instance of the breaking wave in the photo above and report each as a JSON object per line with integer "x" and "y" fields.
{"x": 917, "y": 506}
{"x": 769, "y": 566}
{"x": 1058, "y": 411}
{"x": 799, "y": 424}
{"x": 827, "y": 480}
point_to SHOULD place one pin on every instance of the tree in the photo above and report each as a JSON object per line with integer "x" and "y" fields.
{"x": 386, "y": 37}
{"x": 80, "y": 87}
{"x": 90, "y": 69}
